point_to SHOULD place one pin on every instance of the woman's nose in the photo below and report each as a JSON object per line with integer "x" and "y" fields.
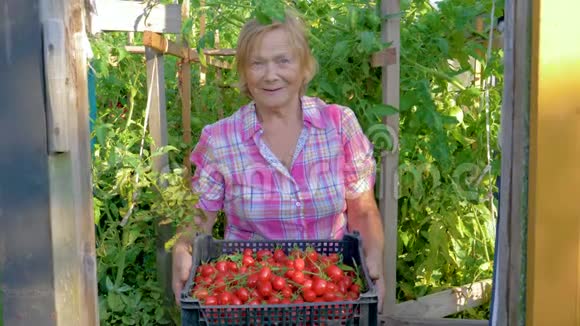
{"x": 271, "y": 72}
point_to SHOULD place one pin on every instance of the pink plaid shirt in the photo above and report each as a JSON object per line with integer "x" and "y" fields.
{"x": 237, "y": 172}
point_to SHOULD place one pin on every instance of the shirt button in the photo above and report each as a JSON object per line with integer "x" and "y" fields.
{"x": 298, "y": 204}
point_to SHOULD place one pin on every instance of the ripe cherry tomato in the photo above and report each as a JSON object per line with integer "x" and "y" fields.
{"x": 265, "y": 288}
{"x": 279, "y": 255}
{"x": 354, "y": 288}
{"x": 278, "y": 283}
{"x": 248, "y": 260}
{"x": 207, "y": 270}
{"x": 334, "y": 272}
{"x": 232, "y": 267}
{"x": 286, "y": 292}
{"x": 273, "y": 300}
{"x": 252, "y": 280}
{"x": 201, "y": 294}
{"x": 263, "y": 254}
{"x": 211, "y": 300}
{"x": 312, "y": 255}
{"x": 221, "y": 266}
{"x": 299, "y": 264}
{"x": 265, "y": 273}
{"x": 307, "y": 284}
{"x": 309, "y": 295}
{"x": 298, "y": 277}
{"x": 243, "y": 294}
{"x": 319, "y": 286}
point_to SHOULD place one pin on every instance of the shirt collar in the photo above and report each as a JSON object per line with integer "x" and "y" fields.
{"x": 311, "y": 108}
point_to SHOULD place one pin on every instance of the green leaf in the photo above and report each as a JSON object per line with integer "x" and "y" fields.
{"x": 383, "y": 110}
{"x": 345, "y": 267}
{"x": 485, "y": 266}
{"x": 326, "y": 87}
{"x": 114, "y": 301}
{"x": 368, "y": 41}
{"x": 109, "y": 284}
{"x": 443, "y": 45}
{"x": 128, "y": 320}
{"x": 404, "y": 237}
{"x": 340, "y": 49}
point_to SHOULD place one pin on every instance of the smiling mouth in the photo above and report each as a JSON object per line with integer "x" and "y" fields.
{"x": 272, "y": 90}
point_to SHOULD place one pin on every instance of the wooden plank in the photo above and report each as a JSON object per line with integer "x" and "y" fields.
{"x": 55, "y": 75}
{"x": 157, "y": 101}
{"x": 163, "y": 45}
{"x": 140, "y": 49}
{"x": 136, "y": 16}
{"x": 387, "y": 56}
{"x": 405, "y": 321}
{"x": 390, "y": 160}
{"x": 220, "y": 52}
{"x": 508, "y": 287}
{"x": 219, "y": 102}
{"x": 202, "y": 69}
{"x": 553, "y": 263}
{"x": 71, "y": 207}
{"x": 448, "y": 302}
{"x": 185, "y": 92}
{"x": 27, "y": 291}
{"x": 158, "y": 130}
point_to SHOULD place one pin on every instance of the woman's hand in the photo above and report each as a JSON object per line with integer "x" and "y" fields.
{"x": 182, "y": 260}
{"x": 364, "y": 217}
{"x": 375, "y": 267}
{"x": 181, "y": 269}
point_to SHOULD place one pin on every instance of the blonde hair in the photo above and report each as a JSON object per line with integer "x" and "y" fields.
{"x": 252, "y": 34}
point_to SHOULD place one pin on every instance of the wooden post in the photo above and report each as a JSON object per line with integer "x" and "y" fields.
{"x": 185, "y": 92}
{"x": 390, "y": 160}
{"x": 219, "y": 102}
{"x": 553, "y": 244}
{"x": 202, "y": 69}
{"x": 47, "y": 244}
{"x": 514, "y": 140}
{"x": 158, "y": 130}
{"x": 71, "y": 206}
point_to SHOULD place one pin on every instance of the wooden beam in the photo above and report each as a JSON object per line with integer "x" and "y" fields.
{"x": 202, "y": 69}
{"x": 220, "y": 52}
{"x": 140, "y": 49}
{"x": 71, "y": 207}
{"x": 185, "y": 92}
{"x": 406, "y": 321}
{"x": 158, "y": 130}
{"x": 390, "y": 160}
{"x": 553, "y": 251}
{"x": 508, "y": 287}
{"x": 385, "y": 57}
{"x": 219, "y": 102}
{"x": 54, "y": 38}
{"x": 163, "y": 45}
{"x": 136, "y": 16}
{"x": 448, "y": 302}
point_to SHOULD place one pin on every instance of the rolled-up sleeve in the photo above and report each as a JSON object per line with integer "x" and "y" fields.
{"x": 360, "y": 164}
{"x": 207, "y": 181}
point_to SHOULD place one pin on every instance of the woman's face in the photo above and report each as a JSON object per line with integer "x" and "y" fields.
{"x": 274, "y": 75}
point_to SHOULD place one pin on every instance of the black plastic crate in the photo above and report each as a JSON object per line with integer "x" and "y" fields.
{"x": 359, "y": 312}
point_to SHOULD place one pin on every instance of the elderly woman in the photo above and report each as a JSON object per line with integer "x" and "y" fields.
{"x": 285, "y": 166}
